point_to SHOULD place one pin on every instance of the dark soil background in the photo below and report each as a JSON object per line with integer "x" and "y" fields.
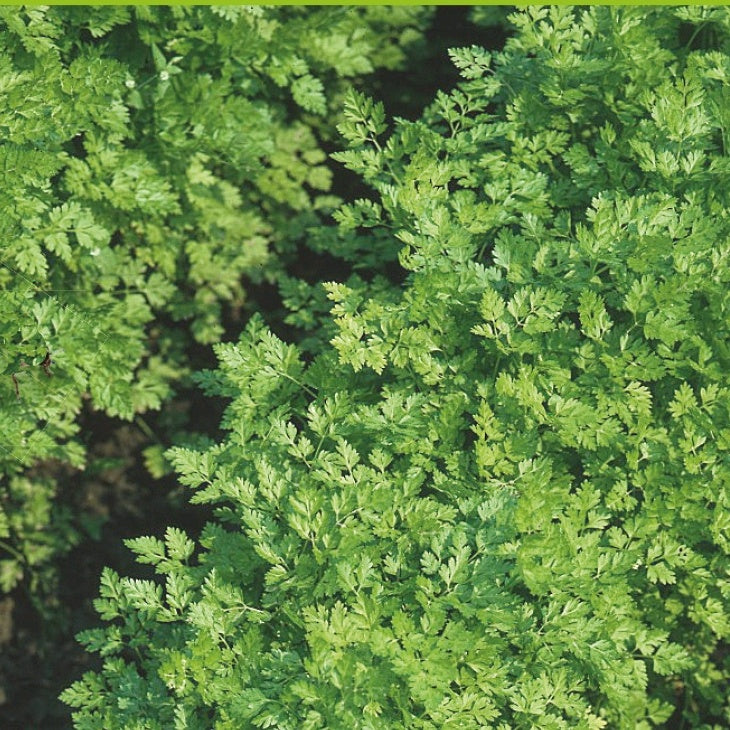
{"x": 39, "y": 656}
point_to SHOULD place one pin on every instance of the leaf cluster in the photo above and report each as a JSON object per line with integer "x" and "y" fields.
{"x": 498, "y": 498}
{"x": 153, "y": 160}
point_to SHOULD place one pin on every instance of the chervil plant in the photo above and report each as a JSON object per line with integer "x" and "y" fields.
{"x": 152, "y": 158}
{"x": 499, "y": 497}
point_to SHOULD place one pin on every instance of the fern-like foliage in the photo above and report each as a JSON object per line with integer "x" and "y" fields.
{"x": 499, "y": 497}
{"x": 153, "y": 159}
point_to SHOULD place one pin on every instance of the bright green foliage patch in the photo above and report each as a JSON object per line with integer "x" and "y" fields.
{"x": 151, "y": 158}
{"x": 500, "y": 498}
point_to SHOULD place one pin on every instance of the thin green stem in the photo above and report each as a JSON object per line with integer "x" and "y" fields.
{"x": 145, "y": 428}
{"x": 10, "y": 549}
{"x": 304, "y": 387}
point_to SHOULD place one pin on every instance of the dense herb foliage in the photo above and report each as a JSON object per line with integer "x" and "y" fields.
{"x": 499, "y": 497}
{"x": 151, "y": 158}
